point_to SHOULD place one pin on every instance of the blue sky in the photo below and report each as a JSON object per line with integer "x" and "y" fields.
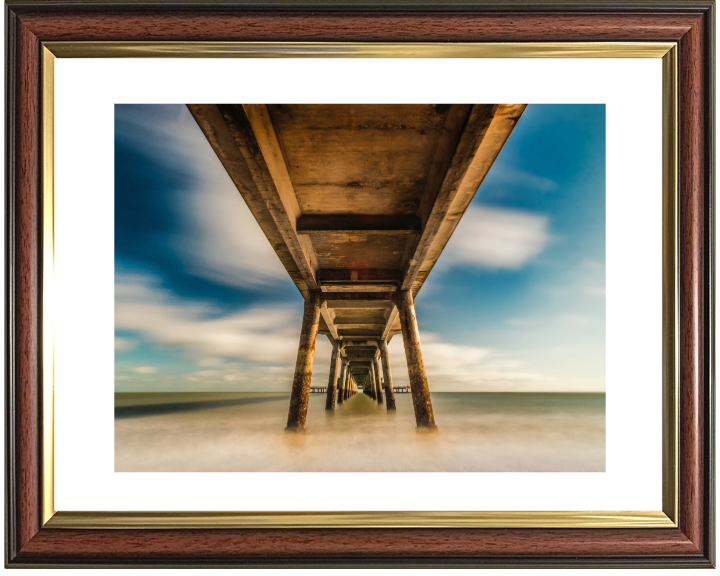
{"x": 515, "y": 303}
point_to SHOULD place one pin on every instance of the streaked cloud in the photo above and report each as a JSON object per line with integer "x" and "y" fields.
{"x": 144, "y": 369}
{"x": 255, "y": 349}
{"x": 515, "y": 177}
{"x": 124, "y": 344}
{"x": 492, "y": 237}
{"x": 464, "y": 368}
{"x": 221, "y": 240}
{"x": 259, "y": 334}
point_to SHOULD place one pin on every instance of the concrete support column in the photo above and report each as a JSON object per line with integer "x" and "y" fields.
{"x": 335, "y": 362}
{"x": 300, "y": 393}
{"x": 422, "y": 404}
{"x": 388, "y": 376}
{"x": 376, "y": 369}
{"x": 371, "y": 384}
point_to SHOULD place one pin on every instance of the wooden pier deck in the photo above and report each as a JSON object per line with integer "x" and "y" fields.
{"x": 358, "y": 202}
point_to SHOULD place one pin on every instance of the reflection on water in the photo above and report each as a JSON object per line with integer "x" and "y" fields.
{"x": 154, "y": 408}
{"x": 243, "y": 432}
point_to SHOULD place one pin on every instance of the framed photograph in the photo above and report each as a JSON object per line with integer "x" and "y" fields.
{"x": 317, "y": 284}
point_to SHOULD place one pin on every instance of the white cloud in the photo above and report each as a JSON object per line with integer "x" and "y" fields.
{"x": 463, "y": 368}
{"x": 576, "y": 320}
{"x": 144, "y": 370}
{"x": 263, "y": 334}
{"x": 498, "y": 238}
{"x": 510, "y": 175}
{"x": 221, "y": 239}
{"x": 256, "y": 349}
{"x": 124, "y": 344}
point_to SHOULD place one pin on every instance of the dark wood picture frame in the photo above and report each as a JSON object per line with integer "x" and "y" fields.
{"x": 29, "y": 24}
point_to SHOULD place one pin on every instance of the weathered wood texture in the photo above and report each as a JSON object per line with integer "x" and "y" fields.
{"x": 390, "y": 391}
{"x": 238, "y": 167}
{"x": 300, "y": 392}
{"x": 691, "y": 544}
{"x": 335, "y": 362}
{"x": 345, "y": 371}
{"x": 422, "y": 404}
{"x": 376, "y": 379}
{"x": 365, "y": 196}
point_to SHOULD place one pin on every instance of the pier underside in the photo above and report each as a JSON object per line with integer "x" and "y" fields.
{"x": 358, "y": 202}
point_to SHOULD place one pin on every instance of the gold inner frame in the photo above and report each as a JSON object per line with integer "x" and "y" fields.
{"x": 665, "y": 518}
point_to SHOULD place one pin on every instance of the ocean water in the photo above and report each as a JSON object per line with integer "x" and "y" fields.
{"x": 243, "y": 432}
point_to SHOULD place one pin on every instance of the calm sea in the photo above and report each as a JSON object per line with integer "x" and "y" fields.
{"x": 243, "y": 432}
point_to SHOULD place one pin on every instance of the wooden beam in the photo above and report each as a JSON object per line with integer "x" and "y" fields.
{"x": 213, "y": 124}
{"x": 358, "y": 305}
{"x": 253, "y": 132}
{"x": 358, "y": 287}
{"x": 360, "y": 325}
{"x": 384, "y": 297}
{"x": 344, "y": 322}
{"x": 346, "y": 275}
{"x": 361, "y": 349}
{"x": 361, "y": 341}
{"x": 329, "y": 316}
{"x": 361, "y": 332}
{"x": 485, "y": 132}
{"x": 311, "y": 223}
{"x": 392, "y": 316}
{"x": 361, "y": 357}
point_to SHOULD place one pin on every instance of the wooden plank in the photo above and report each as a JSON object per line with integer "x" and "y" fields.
{"x": 361, "y": 356}
{"x": 355, "y": 305}
{"x": 484, "y": 135}
{"x": 453, "y": 157}
{"x": 358, "y": 287}
{"x": 357, "y": 297}
{"x": 359, "y": 223}
{"x": 358, "y": 275}
{"x": 345, "y": 322}
{"x": 358, "y": 332}
{"x": 392, "y": 317}
{"x": 329, "y": 316}
{"x": 214, "y": 127}
{"x": 254, "y": 135}
{"x": 360, "y": 325}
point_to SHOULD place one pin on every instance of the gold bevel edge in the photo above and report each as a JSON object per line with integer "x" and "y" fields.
{"x": 390, "y": 519}
{"x": 358, "y": 50}
{"x": 661, "y": 519}
{"x": 671, "y": 290}
{"x": 48, "y": 271}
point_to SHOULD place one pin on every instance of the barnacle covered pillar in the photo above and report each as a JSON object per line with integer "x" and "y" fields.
{"x": 390, "y": 402}
{"x": 335, "y": 362}
{"x": 300, "y": 393}
{"x": 422, "y": 404}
